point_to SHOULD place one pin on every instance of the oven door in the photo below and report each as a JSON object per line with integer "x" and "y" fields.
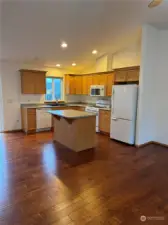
{"x": 95, "y": 92}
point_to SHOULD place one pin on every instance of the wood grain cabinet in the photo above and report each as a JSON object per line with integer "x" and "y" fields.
{"x": 128, "y": 74}
{"x": 104, "y": 121}
{"x": 109, "y": 84}
{"x": 133, "y": 75}
{"x": 78, "y": 84}
{"x": 120, "y": 76}
{"x": 67, "y": 84}
{"x": 28, "y": 120}
{"x": 72, "y": 83}
{"x": 33, "y": 82}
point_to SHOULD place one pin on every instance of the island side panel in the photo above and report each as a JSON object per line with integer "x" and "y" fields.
{"x": 85, "y": 133}
{"x": 77, "y": 134}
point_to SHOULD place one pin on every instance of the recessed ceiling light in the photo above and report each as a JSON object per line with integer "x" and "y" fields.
{"x": 58, "y": 65}
{"x": 73, "y": 64}
{"x": 154, "y": 3}
{"x": 64, "y": 45}
{"x": 94, "y": 52}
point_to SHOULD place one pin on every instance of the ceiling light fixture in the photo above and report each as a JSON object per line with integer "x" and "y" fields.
{"x": 58, "y": 65}
{"x": 94, "y": 52}
{"x": 64, "y": 45}
{"x": 154, "y": 3}
{"x": 73, "y": 64}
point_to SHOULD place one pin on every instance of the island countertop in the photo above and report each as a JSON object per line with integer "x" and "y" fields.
{"x": 71, "y": 114}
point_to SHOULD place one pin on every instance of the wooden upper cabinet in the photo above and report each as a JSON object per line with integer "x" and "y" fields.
{"x": 133, "y": 75}
{"x": 127, "y": 74}
{"x": 109, "y": 84}
{"x": 72, "y": 85}
{"x": 78, "y": 84}
{"x": 67, "y": 84}
{"x": 102, "y": 79}
{"x": 33, "y": 82}
{"x": 89, "y": 83}
{"x": 85, "y": 85}
{"x": 27, "y": 83}
{"x": 40, "y": 83}
{"x": 120, "y": 75}
{"x": 95, "y": 79}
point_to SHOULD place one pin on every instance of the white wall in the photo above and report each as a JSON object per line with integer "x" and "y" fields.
{"x": 152, "y": 107}
{"x": 11, "y": 92}
{"x": 161, "y": 91}
{"x": 130, "y": 56}
{"x": 102, "y": 63}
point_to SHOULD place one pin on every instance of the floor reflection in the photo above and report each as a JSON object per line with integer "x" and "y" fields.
{"x": 4, "y": 172}
{"x": 49, "y": 159}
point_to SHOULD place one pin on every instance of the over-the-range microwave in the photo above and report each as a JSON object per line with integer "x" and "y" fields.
{"x": 97, "y": 90}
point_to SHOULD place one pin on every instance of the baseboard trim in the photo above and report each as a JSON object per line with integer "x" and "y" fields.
{"x": 12, "y": 131}
{"x": 104, "y": 133}
{"x": 151, "y": 142}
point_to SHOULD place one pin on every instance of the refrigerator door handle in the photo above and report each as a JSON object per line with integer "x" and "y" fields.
{"x": 114, "y": 118}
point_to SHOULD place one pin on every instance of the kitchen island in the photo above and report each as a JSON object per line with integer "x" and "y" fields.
{"x": 74, "y": 129}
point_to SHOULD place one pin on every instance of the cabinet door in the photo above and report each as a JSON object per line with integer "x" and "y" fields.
{"x": 67, "y": 84}
{"x": 27, "y": 83}
{"x": 40, "y": 83}
{"x": 78, "y": 84}
{"x": 102, "y": 79}
{"x": 109, "y": 84}
{"x": 104, "y": 121}
{"x": 121, "y": 76}
{"x": 84, "y": 85}
{"x": 31, "y": 119}
{"x": 133, "y": 75}
{"x": 72, "y": 88}
{"x": 95, "y": 80}
{"x": 89, "y": 83}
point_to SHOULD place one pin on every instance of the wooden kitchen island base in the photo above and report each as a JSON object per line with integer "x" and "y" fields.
{"x": 74, "y": 129}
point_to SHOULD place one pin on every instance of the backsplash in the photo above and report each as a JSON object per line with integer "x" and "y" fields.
{"x": 32, "y": 98}
{"x": 68, "y": 98}
{"x": 84, "y": 98}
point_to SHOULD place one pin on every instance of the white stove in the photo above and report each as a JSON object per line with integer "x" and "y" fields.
{"x": 96, "y": 111}
{"x": 99, "y": 104}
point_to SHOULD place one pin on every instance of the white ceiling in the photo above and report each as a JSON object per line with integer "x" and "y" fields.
{"x": 31, "y": 30}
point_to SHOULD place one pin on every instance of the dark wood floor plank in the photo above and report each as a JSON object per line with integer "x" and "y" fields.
{"x": 115, "y": 185}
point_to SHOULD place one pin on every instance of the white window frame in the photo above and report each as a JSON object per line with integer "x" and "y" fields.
{"x": 53, "y": 89}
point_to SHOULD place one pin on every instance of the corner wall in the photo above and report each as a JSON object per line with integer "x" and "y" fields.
{"x": 152, "y": 106}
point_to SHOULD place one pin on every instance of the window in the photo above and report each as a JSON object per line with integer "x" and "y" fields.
{"x": 53, "y": 89}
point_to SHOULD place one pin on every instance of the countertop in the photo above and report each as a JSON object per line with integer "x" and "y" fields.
{"x": 36, "y": 106}
{"x": 71, "y": 114}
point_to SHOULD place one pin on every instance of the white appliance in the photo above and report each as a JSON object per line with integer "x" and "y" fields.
{"x": 43, "y": 119}
{"x": 97, "y": 90}
{"x": 96, "y": 111}
{"x": 103, "y": 104}
{"x": 124, "y": 109}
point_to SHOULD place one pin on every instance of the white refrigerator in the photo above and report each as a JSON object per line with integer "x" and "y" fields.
{"x": 123, "y": 113}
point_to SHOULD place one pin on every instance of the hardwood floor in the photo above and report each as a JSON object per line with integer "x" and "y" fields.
{"x": 115, "y": 185}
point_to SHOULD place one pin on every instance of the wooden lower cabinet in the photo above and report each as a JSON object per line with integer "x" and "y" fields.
{"x": 104, "y": 121}
{"x": 28, "y": 119}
